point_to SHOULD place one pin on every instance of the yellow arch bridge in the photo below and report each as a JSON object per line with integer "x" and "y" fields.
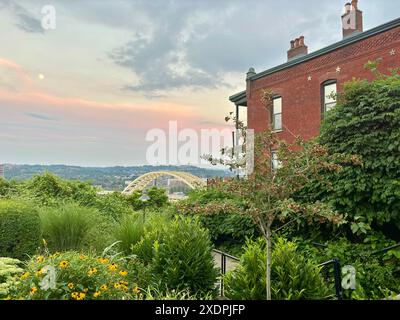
{"x": 141, "y": 182}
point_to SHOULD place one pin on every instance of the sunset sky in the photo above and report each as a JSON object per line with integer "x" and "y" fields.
{"x": 87, "y": 92}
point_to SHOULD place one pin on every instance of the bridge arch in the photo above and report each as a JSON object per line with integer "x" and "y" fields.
{"x": 141, "y": 182}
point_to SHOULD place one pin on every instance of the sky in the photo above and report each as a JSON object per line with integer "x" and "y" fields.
{"x": 88, "y": 91}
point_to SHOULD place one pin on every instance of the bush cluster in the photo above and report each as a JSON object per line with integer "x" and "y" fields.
{"x": 293, "y": 277}
{"x": 20, "y": 229}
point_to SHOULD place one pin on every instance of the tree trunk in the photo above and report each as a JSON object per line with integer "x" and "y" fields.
{"x": 269, "y": 258}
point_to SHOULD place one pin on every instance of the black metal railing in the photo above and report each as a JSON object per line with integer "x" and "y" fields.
{"x": 337, "y": 272}
{"x": 224, "y": 256}
{"x": 337, "y": 268}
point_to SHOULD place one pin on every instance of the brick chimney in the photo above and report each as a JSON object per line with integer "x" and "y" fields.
{"x": 297, "y": 48}
{"x": 352, "y": 19}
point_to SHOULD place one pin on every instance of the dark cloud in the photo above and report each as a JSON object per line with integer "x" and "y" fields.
{"x": 194, "y": 43}
{"x": 24, "y": 19}
{"x": 177, "y": 44}
{"x": 41, "y": 117}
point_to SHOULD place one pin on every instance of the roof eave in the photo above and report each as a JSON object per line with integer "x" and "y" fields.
{"x": 345, "y": 42}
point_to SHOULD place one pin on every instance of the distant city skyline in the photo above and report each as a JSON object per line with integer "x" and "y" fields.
{"x": 87, "y": 92}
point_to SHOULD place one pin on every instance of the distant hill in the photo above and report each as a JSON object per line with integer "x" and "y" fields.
{"x": 109, "y": 178}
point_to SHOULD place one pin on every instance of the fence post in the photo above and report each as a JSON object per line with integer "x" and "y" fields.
{"x": 223, "y": 271}
{"x": 338, "y": 278}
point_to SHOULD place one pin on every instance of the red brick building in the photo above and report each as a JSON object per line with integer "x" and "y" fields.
{"x": 303, "y": 85}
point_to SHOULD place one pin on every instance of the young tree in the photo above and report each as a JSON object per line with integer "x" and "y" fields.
{"x": 270, "y": 191}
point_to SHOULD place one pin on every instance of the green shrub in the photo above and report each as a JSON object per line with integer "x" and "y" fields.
{"x": 225, "y": 227}
{"x": 366, "y": 122}
{"x": 292, "y": 276}
{"x": 129, "y": 231}
{"x": 70, "y": 227}
{"x": 9, "y": 268}
{"x": 114, "y": 205}
{"x": 155, "y": 227}
{"x": 73, "y": 276}
{"x": 138, "y": 237}
{"x": 247, "y": 281}
{"x": 10, "y": 188}
{"x": 20, "y": 229}
{"x": 183, "y": 260}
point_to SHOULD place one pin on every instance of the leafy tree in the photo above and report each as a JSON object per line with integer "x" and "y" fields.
{"x": 366, "y": 122}
{"x": 4, "y": 187}
{"x": 221, "y": 213}
{"x": 49, "y": 189}
{"x": 270, "y": 192}
{"x": 46, "y": 189}
{"x": 114, "y": 205}
{"x": 157, "y": 199}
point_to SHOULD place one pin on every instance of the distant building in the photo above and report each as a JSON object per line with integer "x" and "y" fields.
{"x": 1, "y": 171}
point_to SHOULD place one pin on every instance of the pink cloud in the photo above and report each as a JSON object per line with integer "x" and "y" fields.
{"x": 101, "y": 114}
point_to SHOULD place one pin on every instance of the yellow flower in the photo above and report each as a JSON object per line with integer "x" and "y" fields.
{"x": 123, "y": 283}
{"x": 39, "y": 272}
{"x": 81, "y": 296}
{"x": 78, "y": 295}
{"x": 96, "y": 294}
{"x": 113, "y": 267}
{"x": 33, "y": 290}
{"x": 117, "y": 285}
{"x": 104, "y": 287}
{"x": 55, "y": 254}
{"x": 64, "y": 264}
{"x": 40, "y": 259}
{"x": 136, "y": 290}
{"x": 85, "y": 290}
{"x": 70, "y": 286}
{"x": 25, "y": 275}
{"x": 92, "y": 271}
{"x": 103, "y": 260}
{"x": 123, "y": 273}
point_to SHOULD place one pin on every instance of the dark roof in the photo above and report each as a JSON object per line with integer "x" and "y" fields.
{"x": 239, "y": 98}
{"x": 345, "y": 42}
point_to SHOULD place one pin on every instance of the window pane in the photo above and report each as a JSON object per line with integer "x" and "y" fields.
{"x": 278, "y": 121}
{"x": 330, "y": 90}
{"x": 277, "y": 106}
{"x": 330, "y": 106}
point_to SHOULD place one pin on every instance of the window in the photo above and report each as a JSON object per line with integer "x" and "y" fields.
{"x": 275, "y": 163}
{"x": 329, "y": 90}
{"x": 276, "y": 114}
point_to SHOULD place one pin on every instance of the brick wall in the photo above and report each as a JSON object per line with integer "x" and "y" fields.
{"x": 301, "y": 98}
